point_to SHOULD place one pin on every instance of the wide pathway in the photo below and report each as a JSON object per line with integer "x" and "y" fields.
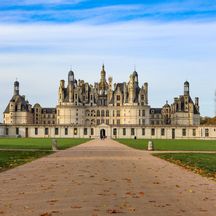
{"x": 104, "y": 178}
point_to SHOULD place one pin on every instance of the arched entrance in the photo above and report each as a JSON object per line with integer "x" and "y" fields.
{"x": 102, "y": 133}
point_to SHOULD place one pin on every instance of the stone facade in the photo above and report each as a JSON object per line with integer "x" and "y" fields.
{"x": 118, "y": 105}
{"x": 146, "y": 132}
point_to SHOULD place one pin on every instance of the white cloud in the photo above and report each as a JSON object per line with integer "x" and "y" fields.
{"x": 165, "y": 55}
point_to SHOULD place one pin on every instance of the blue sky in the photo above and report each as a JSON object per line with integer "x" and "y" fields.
{"x": 168, "y": 41}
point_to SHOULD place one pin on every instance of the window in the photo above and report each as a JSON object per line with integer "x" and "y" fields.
{"x": 124, "y": 131}
{"x": 143, "y": 121}
{"x": 17, "y": 131}
{"x": 162, "y": 132}
{"x": 143, "y": 113}
{"x": 118, "y": 98}
{"x": 113, "y": 113}
{"x": 85, "y": 131}
{"x": 102, "y": 113}
{"x": 118, "y": 121}
{"x": 75, "y": 131}
{"x": 107, "y": 121}
{"x": 206, "y": 132}
{"x": 132, "y": 131}
{"x": 98, "y": 121}
{"x": 98, "y": 112}
{"x": 107, "y": 113}
{"x": 194, "y": 132}
{"x": 46, "y": 131}
{"x": 92, "y": 131}
{"x": 114, "y": 131}
{"x": 143, "y": 131}
{"x": 184, "y": 132}
{"x": 118, "y": 113}
{"x": 66, "y": 131}
{"x": 36, "y": 131}
{"x": 7, "y": 131}
{"x": 153, "y": 131}
{"x": 56, "y": 131}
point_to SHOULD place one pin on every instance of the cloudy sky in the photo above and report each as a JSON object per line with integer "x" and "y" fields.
{"x": 168, "y": 42}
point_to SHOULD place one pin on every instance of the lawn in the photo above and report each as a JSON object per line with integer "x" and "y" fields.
{"x": 172, "y": 145}
{"x": 204, "y": 164}
{"x": 38, "y": 143}
{"x": 11, "y": 159}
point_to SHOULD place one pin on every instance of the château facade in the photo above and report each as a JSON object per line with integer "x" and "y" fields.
{"x": 103, "y": 107}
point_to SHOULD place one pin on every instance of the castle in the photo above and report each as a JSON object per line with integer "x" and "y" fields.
{"x": 115, "y": 110}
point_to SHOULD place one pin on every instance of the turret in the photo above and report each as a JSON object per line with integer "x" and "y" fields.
{"x": 197, "y": 103}
{"x": 16, "y": 88}
{"x": 136, "y": 81}
{"x": 103, "y": 83}
{"x": 186, "y": 88}
{"x": 131, "y": 88}
{"x": 70, "y": 77}
{"x": 146, "y": 92}
{"x": 61, "y": 91}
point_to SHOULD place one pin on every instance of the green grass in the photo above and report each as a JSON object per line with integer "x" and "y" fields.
{"x": 11, "y": 159}
{"x": 172, "y": 145}
{"x": 38, "y": 143}
{"x": 204, "y": 164}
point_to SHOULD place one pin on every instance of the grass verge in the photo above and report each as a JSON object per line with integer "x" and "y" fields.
{"x": 38, "y": 143}
{"x": 172, "y": 145}
{"x": 11, "y": 159}
{"x": 201, "y": 163}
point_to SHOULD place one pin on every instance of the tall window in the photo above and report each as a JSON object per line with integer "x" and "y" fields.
{"x": 36, "y": 131}
{"x": 66, "y": 131}
{"x": 162, "y": 132}
{"x": 124, "y": 131}
{"x": 46, "y": 131}
{"x": 114, "y": 131}
{"x": 17, "y": 131}
{"x": 184, "y": 132}
{"x": 102, "y": 113}
{"x": 107, "y": 113}
{"x": 56, "y": 131}
{"x": 118, "y": 113}
{"x": 153, "y": 131}
{"x": 75, "y": 131}
{"x": 132, "y": 131}
{"x": 85, "y": 131}
{"x": 194, "y": 132}
{"x": 98, "y": 112}
{"x": 143, "y": 131}
{"x": 207, "y": 132}
{"x": 118, "y": 98}
{"x": 92, "y": 131}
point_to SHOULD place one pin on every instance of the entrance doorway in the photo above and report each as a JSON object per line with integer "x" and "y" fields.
{"x": 102, "y": 133}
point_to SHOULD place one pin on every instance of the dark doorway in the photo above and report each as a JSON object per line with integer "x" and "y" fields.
{"x": 102, "y": 133}
{"x": 173, "y": 133}
{"x": 26, "y": 133}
